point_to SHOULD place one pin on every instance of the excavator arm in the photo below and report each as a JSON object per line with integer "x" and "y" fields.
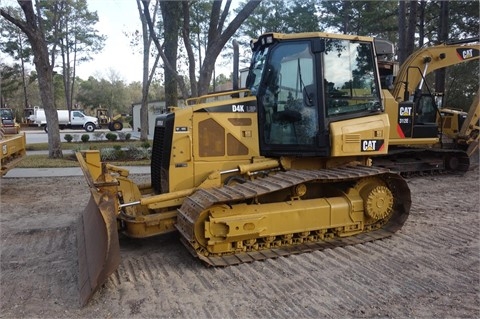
{"x": 413, "y": 71}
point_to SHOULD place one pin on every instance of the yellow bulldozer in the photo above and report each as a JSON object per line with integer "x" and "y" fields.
{"x": 279, "y": 168}
{"x": 283, "y": 166}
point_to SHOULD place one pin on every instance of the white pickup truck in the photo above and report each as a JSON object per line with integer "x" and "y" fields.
{"x": 77, "y": 119}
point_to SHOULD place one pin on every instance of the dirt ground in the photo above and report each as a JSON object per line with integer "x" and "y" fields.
{"x": 429, "y": 269}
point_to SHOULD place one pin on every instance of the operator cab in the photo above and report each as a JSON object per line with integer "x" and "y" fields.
{"x": 303, "y": 84}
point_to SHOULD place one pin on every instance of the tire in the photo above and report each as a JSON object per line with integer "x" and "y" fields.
{"x": 117, "y": 126}
{"x": 110, "y": 127}
{"x": 45, "y": 128}
{"x": 89, "y": 127}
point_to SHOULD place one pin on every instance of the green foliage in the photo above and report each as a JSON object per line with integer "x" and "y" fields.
{"x": 111, "y": 136}
{"x": 71, "y": 32}
{"x": 461, "y": 85}
{"x": 111, "y": 92}
{"x": 14, "y": 41}
{"x": 135, "y": 153}
{"x": 68, "y": 138}
{"x": 281, "y": 16}
{"x": 374, "y": 18}
{"x": 145, "y": 144}
{"x": 85, "y": 138}
{"x": 131, "y": 153}
{"x": 463, "y": 19}
{"x": 108, "y": 154}
{"x": 128, "y": 136}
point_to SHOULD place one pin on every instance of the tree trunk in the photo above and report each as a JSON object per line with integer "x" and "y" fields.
{"x": 412, "y": 26}
{"x": 147, "y": 77}
{"x": 188, "y": 46}
{"x": 24, "y": 80}
{"x": 31, "y": 27}
{"x": 171, "y": 16}
{"x": 217, "y": 40}
{"x": 442, "y": 37}
{"x": 421, "y": 24}
{"x": 401, "y": 32}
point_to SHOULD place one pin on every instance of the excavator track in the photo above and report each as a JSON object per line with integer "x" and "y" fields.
{"x": 412, "y": 162}
{"x": 195, "y": 211}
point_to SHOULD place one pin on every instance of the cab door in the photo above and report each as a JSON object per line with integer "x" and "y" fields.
{"x": 78, "y": 118}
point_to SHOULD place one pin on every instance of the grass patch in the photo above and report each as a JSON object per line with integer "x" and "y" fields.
{"x": 42, "y": 161}
{"x": 69, "y": 159}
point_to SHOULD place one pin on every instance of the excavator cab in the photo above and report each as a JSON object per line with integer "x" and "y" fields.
{"x": 304, "y": 84}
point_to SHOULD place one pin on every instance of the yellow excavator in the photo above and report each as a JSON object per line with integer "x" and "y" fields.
{"x": 425, "y": 136}
{"x": 281, "y": 167}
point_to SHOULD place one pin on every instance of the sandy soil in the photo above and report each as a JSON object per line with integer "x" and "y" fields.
{"x": 430, "y": 269}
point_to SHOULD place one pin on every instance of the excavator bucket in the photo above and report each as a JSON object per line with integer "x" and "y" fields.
{"x": 97, "y": 237}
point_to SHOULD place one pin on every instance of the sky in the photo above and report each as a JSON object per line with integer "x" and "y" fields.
{"x": 115, "y": 18}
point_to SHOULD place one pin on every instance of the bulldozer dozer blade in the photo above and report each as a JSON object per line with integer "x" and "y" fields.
{"x": 97, "y": 245}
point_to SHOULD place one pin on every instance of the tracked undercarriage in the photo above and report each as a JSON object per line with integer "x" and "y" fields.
{"x": 411, "y": 161}
{"x": 293, "y": 212}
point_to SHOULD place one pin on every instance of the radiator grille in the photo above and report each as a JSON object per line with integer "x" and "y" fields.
{"x": 161, "y": 150}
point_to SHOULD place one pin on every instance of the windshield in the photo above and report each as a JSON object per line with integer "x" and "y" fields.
{"x": 256, "y": 69}
{"x": 6, "y": 114}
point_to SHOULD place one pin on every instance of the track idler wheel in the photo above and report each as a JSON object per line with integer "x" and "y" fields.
{"x": 377, "y": 198}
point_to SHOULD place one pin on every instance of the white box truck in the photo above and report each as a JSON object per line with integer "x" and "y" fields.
{"x": 77, "y": 119}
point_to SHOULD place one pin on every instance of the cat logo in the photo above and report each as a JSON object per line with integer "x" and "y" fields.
{"x": 405, "y": 111}
{"x": 467, "y": 54}
{"x": 371, "y": 145}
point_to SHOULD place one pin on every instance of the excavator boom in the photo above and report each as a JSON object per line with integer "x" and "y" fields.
{"x": 428, "y": 59}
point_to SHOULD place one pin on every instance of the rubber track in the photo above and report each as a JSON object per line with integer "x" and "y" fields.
{"x": 201, "y": 200}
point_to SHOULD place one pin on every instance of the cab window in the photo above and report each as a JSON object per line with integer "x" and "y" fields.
{"x": 289, "y": 101}
{"x": 349, "y": 77}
